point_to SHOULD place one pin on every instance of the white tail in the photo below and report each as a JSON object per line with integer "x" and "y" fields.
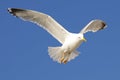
{"x": 56, "y": 53}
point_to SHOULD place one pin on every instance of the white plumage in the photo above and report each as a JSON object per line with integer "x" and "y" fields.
{"x": 70, "y": 41}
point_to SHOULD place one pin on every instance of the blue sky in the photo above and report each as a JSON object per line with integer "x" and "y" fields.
{"x": 23, "y": 45}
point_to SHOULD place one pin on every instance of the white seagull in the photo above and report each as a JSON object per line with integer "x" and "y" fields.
{"x": 70, "y": 41}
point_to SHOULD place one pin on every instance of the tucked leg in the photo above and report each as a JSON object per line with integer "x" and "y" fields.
{"x": 62, "y": 58}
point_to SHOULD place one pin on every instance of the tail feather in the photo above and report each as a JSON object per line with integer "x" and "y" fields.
{"x": 56, "y": 53}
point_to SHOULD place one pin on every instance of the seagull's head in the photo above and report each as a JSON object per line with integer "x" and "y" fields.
{"x": 81, "y": 37}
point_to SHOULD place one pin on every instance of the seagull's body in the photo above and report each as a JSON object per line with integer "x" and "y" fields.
{"x": 67, "y": 51}
{"x": 70, "y": 41}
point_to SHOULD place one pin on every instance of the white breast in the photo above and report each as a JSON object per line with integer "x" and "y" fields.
{"x": 72, "y": 42}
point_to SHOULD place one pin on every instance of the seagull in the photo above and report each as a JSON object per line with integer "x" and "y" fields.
{"x": 70, "y": 41}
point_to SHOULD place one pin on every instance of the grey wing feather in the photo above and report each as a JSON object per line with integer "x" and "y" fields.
{"x": 94, "y": 25}
{"x": 44, "y": 20}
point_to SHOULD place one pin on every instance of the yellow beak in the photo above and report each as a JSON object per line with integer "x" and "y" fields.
{"x": 84, "y": 39}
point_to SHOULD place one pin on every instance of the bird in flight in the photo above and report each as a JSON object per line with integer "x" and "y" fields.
{"x": 70, "y": 41}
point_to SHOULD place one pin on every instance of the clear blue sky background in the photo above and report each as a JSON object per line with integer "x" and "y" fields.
{"x": 23, "y": 45}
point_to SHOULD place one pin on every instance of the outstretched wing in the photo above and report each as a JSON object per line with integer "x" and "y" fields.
{"x": 43, "y": 20}
{"x": 94, "y": 25}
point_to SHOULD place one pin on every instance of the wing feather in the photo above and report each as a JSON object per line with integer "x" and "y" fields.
{"x": 94, "y": 26}
{"x": 43, "y": 20}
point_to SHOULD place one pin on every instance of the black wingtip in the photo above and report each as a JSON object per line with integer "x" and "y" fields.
{"x": 10, "y": 10}
{"x": 103, "y": 25}
{"x": 14, "y": 10}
